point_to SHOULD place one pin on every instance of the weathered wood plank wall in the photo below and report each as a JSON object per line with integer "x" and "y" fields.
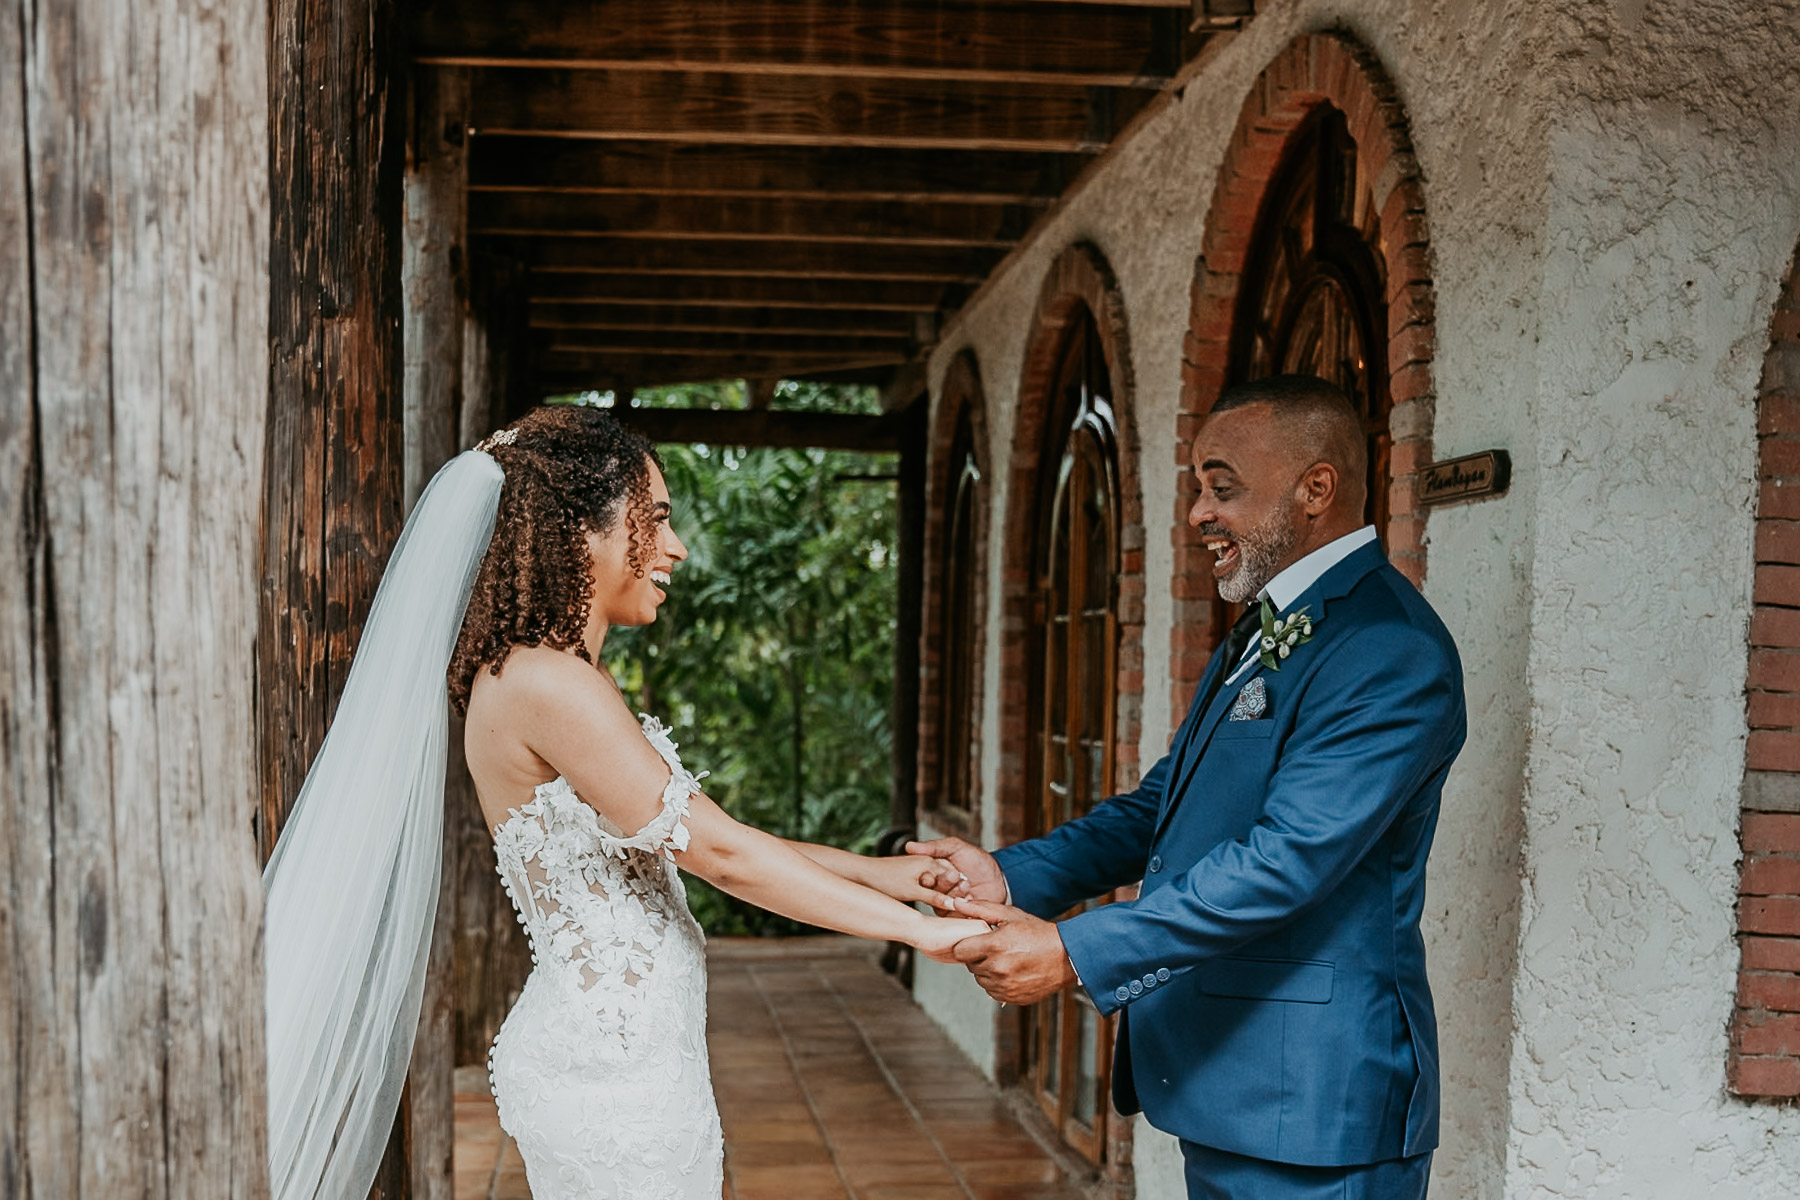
{"x": 133, "y": 368}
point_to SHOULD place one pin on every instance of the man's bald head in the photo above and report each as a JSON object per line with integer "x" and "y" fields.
{"x": 1315, "y": 420}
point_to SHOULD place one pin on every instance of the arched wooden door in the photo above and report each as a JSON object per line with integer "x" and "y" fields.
{"x": 1067, "y": 1051}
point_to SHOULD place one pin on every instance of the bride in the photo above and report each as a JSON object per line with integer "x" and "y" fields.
{"x": 600, "y": 1070}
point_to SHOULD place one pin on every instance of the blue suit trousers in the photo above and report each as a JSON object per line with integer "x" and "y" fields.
{"x": 1221, "y": 1175}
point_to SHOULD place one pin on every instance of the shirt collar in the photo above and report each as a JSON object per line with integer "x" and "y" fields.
{"x": 1287, "y": 587}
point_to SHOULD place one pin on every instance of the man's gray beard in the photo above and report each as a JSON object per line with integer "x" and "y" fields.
{"x": 1259, "y": 558}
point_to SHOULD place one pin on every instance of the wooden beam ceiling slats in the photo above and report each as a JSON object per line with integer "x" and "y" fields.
{"x": 575, "y": 371}
{"x": 796, "y": 110}
{"x": 628, "y": 168}
{"x": 940, "y": 40}
{"x": 892, "y": 296}
{"x": 716, "y": 319}
{"x": 826, "y": 222}
{"x": 706, "y": 345}
{"x": 799, "y": 259}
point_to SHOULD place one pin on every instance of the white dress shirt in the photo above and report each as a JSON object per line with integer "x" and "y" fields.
{"x": 1292, "y": 582}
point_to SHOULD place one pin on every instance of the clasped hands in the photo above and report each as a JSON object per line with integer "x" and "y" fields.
{"x": 1021, "y": 959}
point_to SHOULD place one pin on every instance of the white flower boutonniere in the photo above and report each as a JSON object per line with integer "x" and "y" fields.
{"x": 1282, "y": 635}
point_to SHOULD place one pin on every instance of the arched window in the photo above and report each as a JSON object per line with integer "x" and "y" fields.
{"x": 1067, "y": 1045}
{"x": 1313, "y": 299}
{"x": 958, "y": 580}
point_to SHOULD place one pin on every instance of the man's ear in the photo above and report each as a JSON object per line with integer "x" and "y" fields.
{"x": 1317, "y": 488}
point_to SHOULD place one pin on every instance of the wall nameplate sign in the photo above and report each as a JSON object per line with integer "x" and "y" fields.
{"x": 1467, "y": 478}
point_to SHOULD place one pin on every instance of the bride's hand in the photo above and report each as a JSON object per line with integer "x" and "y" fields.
{"x": 938, "y": 936}
{"x": 910, "y": 879}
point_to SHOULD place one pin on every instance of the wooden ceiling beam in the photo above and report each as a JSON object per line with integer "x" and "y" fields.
{"x": 681, "y": 106}
{"x": 714, "y": 319}
{"x": 630, "y": 168}
{"x": 998, "y": 41}
{"x": 703, "y": 256}
{"x": 684, "y": 344}
{"x": 825, "y": 222}
{"x": 737, "y": 293}
{"x": 569, "y": 371}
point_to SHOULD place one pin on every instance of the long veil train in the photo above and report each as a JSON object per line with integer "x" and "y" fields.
{"x": 351, "y": 889}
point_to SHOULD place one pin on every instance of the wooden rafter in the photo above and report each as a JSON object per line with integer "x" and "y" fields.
{"x": 824, "y": 222}
{"x": 788, "y": 293}
{"x": 797, "y": 259}
{"x": 992, "y": 42}
{"x": 685, "y": 343}
{"x": 628, "y": 168}
{"x": 813, "y": 322}
{"x": 805, "y": 110}
{"x": 768, "y": 427}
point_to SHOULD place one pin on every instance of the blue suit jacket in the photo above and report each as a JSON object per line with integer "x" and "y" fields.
{"x": 1271, "y": 975}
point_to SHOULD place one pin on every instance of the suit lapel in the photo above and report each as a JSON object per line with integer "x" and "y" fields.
{"x": 1334, "y": 584}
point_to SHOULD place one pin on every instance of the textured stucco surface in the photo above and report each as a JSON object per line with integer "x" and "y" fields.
{"x": 1613, "y": 192}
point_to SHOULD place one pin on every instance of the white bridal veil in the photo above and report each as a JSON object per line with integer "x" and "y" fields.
{"x": 351, "y": 890}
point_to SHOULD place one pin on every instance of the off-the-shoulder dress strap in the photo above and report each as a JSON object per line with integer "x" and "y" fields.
{"x": 666, "y": 832}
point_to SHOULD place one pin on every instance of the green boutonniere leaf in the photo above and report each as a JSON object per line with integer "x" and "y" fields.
{"x": 1282, "y": 635}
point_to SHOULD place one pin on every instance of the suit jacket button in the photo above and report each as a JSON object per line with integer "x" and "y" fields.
{"x": 1123, "y": 994}
{"x": 1162, "y": 974}
{"x": 1137, "y": 989}
{"x": 1155, "y": 863}
{"x": 1150, "y": 980}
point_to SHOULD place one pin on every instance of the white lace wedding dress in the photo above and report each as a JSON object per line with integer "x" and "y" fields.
{"x": 600, "y": 1069}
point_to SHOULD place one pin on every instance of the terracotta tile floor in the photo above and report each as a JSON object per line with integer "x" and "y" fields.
{"x": 832, "y": 1085}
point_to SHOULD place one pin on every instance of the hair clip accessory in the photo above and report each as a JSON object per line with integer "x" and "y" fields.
{"x": 503, "y": 437}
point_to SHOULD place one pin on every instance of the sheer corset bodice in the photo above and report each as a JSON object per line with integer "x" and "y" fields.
{"x": 600, "y": 1069}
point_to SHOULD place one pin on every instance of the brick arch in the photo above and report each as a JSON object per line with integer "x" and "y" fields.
{"x": 959, "y": 392}
{"x": 1311, "y": 72}
{"x": 1079, "y": 276}
{"x": 1765, "y": 1024}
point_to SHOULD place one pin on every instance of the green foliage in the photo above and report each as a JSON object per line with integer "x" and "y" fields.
{"x": 773, "y": 656}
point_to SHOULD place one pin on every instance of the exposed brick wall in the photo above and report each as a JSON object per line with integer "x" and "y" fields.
{"x": 1315, "y": 70}
{"x": 1765, "y": 1026}
{"x": 960, "y": 392}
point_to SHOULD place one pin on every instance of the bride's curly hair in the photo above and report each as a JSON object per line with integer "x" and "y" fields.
{"x": 570, "y": 469}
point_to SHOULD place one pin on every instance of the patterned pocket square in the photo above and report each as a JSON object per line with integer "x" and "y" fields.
{"x": 1252, "y": 702}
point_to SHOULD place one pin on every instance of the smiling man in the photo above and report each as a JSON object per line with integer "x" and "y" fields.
{"x": 1270, "y": 978}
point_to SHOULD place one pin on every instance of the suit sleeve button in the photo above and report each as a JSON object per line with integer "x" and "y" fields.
{"x": 1150, "y": 980}
{"x": 1122, "y": 994}
{"x": 1162, "y": 974}
{"x": 1137, "y": 989}
{"x": 1155, "y": 863}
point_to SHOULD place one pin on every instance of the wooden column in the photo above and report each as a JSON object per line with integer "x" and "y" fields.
{"x": 434, "y": 285}
{"x": 490, "y": 956}
{"x": 334, "y": 464}
{"x": 133, "y": 375}
{"x": 909, "y": 615}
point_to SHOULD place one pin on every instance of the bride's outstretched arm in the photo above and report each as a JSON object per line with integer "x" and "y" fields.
{"x": 912, "y": 881}
{"x": 765, "y": 871}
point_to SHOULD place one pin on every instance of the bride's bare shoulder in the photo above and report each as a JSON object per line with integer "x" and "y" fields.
{"x": 536, "y": 683}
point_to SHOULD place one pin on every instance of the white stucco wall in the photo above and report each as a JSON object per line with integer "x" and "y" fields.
{"x": 1613, "y": 193}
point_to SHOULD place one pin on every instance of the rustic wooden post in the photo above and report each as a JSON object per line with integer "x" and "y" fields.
{"x": 133, "y": 374}
{"x": 435, "y": 289}
{"x": 909, "y": 615}
{"x": 334, "y": 467}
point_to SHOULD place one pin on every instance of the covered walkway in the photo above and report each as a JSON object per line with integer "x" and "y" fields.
{"x": 832, "y": 1085}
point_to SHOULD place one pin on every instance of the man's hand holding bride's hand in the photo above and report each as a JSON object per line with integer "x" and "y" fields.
{"x": 963, "y": 870}
{"x": 1021, "y": 961}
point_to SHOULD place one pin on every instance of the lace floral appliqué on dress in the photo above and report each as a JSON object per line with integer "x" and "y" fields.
{"x": 600, "y": 1069}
